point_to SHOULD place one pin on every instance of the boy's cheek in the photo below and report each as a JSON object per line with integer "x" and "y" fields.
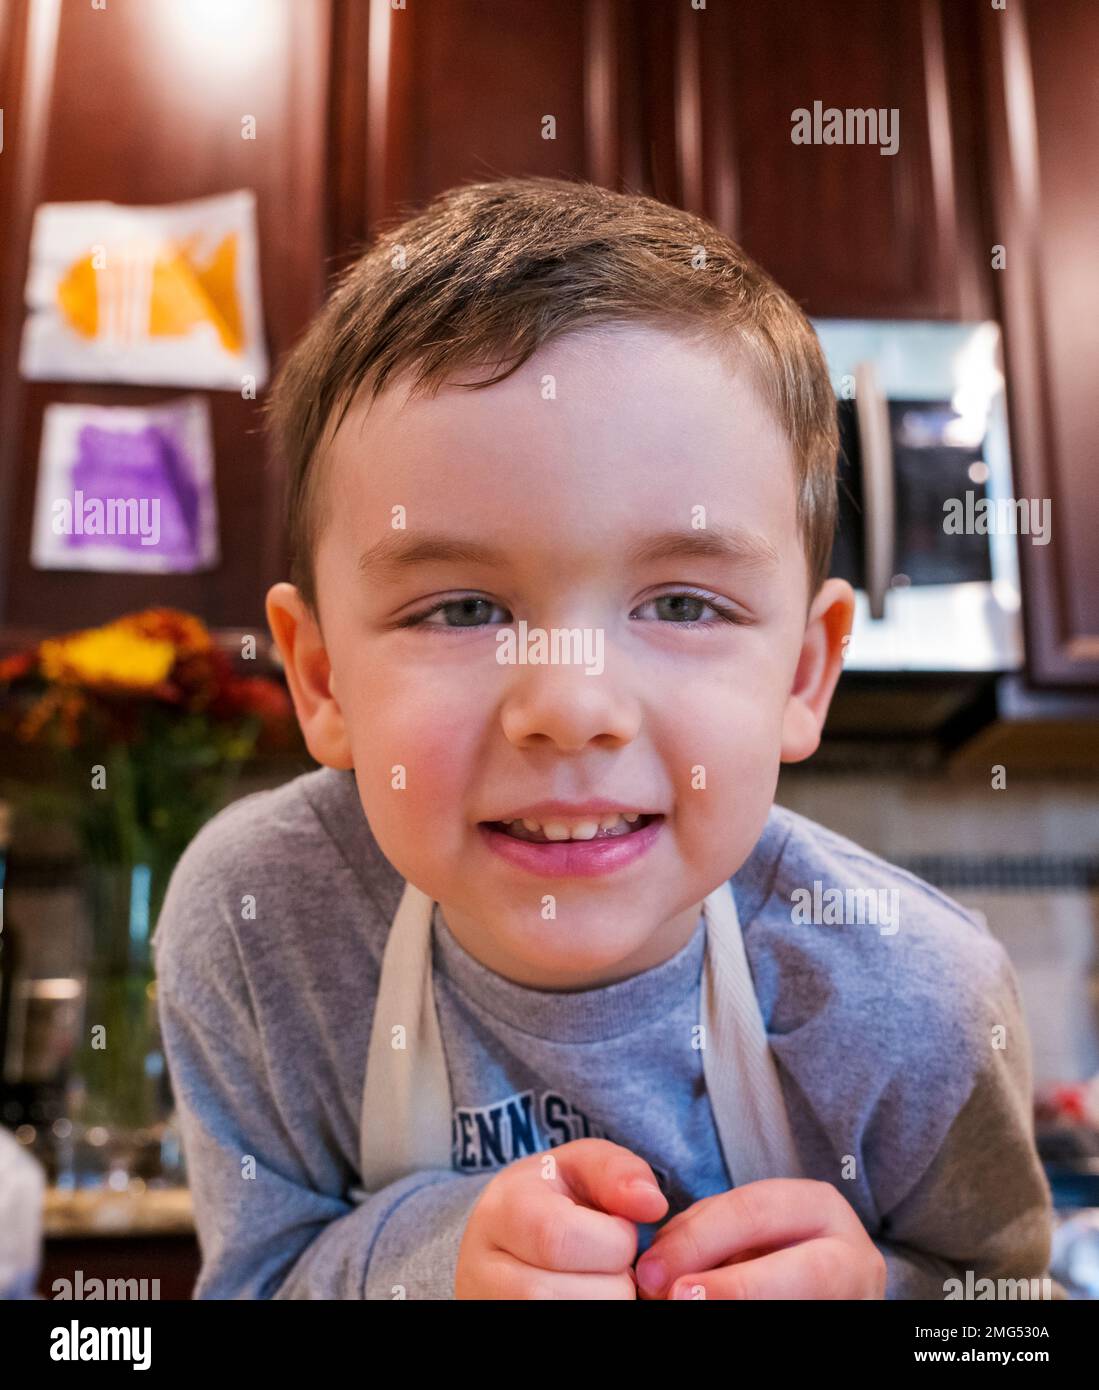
{"x": 416, "y": 778}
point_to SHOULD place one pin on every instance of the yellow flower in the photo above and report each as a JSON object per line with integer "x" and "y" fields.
{"x": 109, "y": 655}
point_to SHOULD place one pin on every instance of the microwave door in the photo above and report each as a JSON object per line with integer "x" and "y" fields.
{"x": 923, "y": 428}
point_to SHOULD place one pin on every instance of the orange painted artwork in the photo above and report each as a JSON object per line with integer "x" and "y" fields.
{"x": 144, "y": 292}
{"x": 162, "y": 295}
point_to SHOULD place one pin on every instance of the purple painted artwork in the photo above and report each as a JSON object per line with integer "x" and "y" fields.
{"x": 146, "y": 465}
{"x": 127, "y": 488}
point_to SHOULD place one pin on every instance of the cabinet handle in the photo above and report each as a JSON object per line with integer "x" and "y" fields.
{"x": 876, "y": 454}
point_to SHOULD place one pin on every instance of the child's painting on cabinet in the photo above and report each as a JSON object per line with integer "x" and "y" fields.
{"x": 126, "y": 488}
{"x": 166, "y": 295}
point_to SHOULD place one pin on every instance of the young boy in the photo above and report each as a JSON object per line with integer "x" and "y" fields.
{"x": 562, "y": 500}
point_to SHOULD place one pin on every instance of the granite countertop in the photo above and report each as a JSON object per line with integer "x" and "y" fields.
{"x": 82, "y": 1212}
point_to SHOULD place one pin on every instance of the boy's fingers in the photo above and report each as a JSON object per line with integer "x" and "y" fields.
{"x": 551, "y": 1231}
{"x": 601, "y": 1175}
{"x": 799, "y": 1271}
{"x": 665, "y": 1286}
{"x": 515, "y": 1280}
{"x": 760, "y": 1215}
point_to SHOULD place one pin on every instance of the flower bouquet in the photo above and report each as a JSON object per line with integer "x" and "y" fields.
{"x": 147, "y": 724}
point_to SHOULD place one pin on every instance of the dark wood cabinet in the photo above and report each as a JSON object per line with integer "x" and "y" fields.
{"x": 693, "y": 106}
{"x": 172, "y": 1260}
{"x": 849, "y": 229}
{"x": 435, "y": 94}
{"x": 1042, "y": 115}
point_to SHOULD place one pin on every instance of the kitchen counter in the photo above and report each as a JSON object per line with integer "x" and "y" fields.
{"x": 83, "y": 1212}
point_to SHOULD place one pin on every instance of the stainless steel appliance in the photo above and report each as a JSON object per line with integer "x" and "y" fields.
{"x": 924, "y": 442}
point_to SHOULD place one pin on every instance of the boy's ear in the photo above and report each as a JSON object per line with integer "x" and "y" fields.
{"x": 819, "y": 666}
{"x": 308, "y": 674}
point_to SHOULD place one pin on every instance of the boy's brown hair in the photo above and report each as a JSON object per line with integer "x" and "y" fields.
{"x": 488, "y": 272}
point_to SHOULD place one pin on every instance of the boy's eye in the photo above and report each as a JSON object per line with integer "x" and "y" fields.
{"x": 695, "y": 603}
{"x": 466, "y": 608}
{"x": 470, "y": 611}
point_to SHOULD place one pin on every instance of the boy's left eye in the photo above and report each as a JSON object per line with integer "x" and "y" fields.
{"x": 693, "y": 600}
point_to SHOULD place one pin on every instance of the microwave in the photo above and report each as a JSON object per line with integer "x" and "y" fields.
{"x": 923, "y": 443}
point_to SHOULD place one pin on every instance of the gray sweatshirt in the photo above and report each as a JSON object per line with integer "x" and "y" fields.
{"x": 899, "y": 1041}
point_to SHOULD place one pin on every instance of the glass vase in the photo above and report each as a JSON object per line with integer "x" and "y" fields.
{"x": 119, "y": 1101}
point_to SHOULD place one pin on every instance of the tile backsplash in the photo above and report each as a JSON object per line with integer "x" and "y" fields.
{"x": 1026, "y": 856}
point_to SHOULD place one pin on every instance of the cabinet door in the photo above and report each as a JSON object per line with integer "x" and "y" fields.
{"x": 847, "y": 228}
{"x": 1043, "y": 122}
{"x": 444, "y": 92}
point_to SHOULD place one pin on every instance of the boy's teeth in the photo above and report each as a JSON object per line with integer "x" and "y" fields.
{"x": 582, "y": 830}
{"x": 555, "y": 830}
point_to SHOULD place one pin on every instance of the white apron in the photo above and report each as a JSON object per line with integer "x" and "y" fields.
{"x": 406, "y": 1111}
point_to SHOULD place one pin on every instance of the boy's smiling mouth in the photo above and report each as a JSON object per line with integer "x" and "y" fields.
{"x": 545, "y": 822}
{"x": 594, "y": 840}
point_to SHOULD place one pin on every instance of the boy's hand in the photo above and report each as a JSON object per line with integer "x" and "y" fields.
{"x": 776, "y": 1238}
{"x": 570, "y": 1236}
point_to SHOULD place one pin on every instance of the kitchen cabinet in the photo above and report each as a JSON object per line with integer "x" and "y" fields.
{"x": 94, "y": 1233}
{"x": 849, "y": 229}
{"x": 1042, "y": 171}
{"x": 693, "y": 106}
{"x": 172, "y": 1261}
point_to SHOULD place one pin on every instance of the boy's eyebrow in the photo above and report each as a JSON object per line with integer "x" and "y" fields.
{"x": 397, "y": 552}
{"x": 736, "y": 544}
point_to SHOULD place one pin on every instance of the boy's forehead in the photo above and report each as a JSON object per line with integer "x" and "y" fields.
{"x": 621, "y": 431}
{"x": 608, "y": 397}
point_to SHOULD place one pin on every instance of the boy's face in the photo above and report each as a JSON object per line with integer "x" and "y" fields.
{"x": 600, "y": 442}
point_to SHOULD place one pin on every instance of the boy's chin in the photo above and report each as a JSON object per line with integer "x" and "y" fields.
{"x": 570, "y": 949}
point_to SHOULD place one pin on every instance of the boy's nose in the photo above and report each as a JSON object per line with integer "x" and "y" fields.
{"x": 564, "y": 705}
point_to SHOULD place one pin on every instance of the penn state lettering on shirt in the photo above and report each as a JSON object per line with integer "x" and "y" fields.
{"x": 492, "y": 1136}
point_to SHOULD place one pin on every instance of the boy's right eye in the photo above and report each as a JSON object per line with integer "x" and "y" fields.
{"x": 464, "y": 605}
